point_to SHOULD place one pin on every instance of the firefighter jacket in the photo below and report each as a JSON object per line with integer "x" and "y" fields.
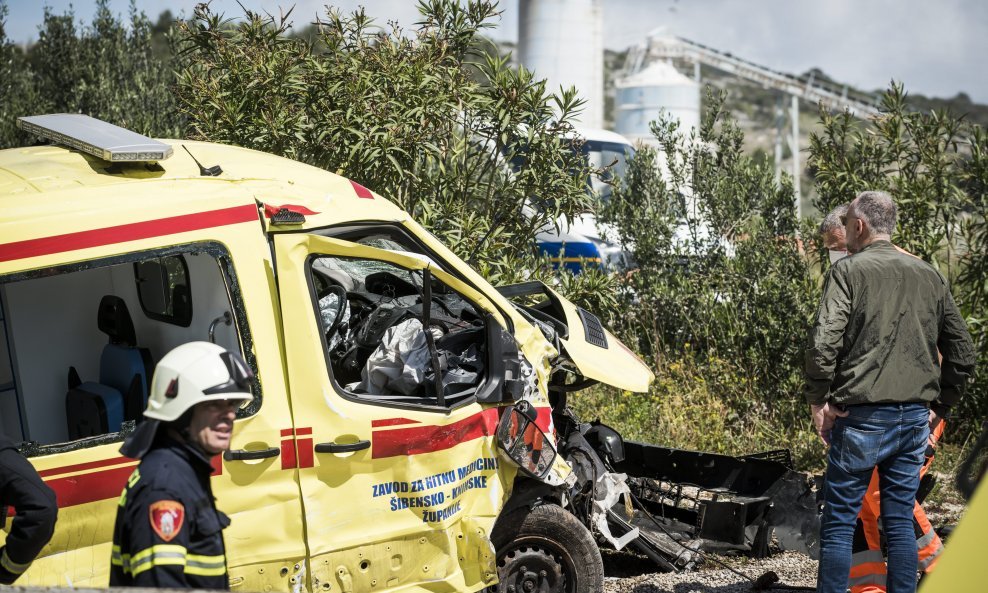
{"x": 35, "y": 512}
{"x": 168, "y": 531}
{"x": 883, "y": 316}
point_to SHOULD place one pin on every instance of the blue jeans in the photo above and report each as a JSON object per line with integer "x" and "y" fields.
{"x": 892, "y": 437}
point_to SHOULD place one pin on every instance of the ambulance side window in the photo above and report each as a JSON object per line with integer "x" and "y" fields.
{"x": 79, "y": 341}
{"x": 374, "y": 316}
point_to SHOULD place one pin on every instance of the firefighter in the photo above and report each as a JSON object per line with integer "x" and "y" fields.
{"x": 168, "y": 531}
{"x": 35, "y": 508}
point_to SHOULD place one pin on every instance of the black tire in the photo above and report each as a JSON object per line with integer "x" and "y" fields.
{"x": 546, "y": 550}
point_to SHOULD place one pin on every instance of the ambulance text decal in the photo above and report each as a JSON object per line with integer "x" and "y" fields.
{"x": 437, "y": 497}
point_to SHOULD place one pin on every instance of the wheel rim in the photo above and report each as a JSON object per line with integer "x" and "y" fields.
{"x": 532, "y": 565}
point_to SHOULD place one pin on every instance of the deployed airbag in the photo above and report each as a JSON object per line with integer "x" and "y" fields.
{"x": 402, "y": 365}
{"x": 399, "y": 363}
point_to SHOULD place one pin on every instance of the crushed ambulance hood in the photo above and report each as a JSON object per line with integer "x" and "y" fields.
{"x": 594, "y": 352}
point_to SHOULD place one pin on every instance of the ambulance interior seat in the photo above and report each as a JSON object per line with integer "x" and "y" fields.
{"x": 94, "y": 408}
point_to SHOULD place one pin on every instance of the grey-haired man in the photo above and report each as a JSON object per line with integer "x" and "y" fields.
{"x": 872, "y": 372}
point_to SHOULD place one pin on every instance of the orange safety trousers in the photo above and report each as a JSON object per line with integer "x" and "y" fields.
{"x": 867, "y": 561}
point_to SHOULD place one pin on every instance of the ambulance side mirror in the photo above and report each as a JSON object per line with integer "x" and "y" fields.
{"x": 523, "y": 441}
{"x": 504, "y": 381}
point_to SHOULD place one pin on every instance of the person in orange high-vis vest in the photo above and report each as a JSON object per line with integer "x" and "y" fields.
{"x": 867, "y": 561}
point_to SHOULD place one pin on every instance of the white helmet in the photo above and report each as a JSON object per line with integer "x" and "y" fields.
{"x": 194, "y": 373}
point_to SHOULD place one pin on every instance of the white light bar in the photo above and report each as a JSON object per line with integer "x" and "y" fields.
{"x": 98, "y": 138}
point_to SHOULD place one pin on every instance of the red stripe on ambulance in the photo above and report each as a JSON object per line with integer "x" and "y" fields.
{"x": 100, "y": 485}
{"x": 68, "y": 469}
{"x": 288, "y": 457}
{"x": 305, "y": 453}
{"x": 127, "y": 232}
{"x": 392, "y": 422}
{"x": 429, "y": 439}
{"x": 85, "y": 488}
{"x": 362, "y": 192}
{"x": 217, "y": 463}
{"x": 297, "y": 453}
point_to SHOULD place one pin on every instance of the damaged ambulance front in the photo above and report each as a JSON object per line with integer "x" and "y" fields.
{"x": 543, "y": 541}
{"x": 670, "y": 505}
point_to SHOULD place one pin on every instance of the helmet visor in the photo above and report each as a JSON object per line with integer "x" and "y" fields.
{"x": 239, "y": 381}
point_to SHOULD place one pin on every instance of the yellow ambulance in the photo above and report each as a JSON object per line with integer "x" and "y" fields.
{"x": 401, "y": 436}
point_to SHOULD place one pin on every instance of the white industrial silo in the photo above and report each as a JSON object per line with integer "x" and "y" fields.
{"x": 562, "y": 41}
{"x": 641, "y": 97}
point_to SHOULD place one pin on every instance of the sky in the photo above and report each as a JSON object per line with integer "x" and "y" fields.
{"x": 936, "y": 48}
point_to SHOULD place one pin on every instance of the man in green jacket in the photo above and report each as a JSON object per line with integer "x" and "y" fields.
{"x": 875, "y": 386}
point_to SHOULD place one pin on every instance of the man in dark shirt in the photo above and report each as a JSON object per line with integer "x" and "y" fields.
{"x": 872, "y": 375}
{"x": 35, "y": 508}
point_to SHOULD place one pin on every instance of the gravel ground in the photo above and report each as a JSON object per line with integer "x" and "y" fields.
{"x": 792, "y": 568}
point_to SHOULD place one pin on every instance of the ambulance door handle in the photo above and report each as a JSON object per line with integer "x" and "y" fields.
{"x": 344, "y": 448}
{"x": 243, "y": 454}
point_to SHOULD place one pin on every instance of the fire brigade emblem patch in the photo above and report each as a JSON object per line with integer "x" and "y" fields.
{"x": 167, "y": 517}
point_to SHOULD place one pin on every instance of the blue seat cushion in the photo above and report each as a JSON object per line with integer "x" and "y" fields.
{"x": 119, "y": 364}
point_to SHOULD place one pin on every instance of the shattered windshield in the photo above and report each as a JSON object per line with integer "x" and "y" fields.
{"x": 357, "y": 269}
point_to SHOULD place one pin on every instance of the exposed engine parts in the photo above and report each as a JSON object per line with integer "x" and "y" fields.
{"x": 671, "y": 504}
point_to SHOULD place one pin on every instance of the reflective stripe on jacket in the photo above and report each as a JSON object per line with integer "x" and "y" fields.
{"x": 168, "y": 532}
{"x": 868, "y": 569}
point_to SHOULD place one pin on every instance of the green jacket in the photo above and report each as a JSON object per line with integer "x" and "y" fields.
{"x": 883, "y": 317}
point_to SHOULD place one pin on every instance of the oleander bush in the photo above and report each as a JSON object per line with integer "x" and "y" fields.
{"x": 477, "y": 151}
{"x": 721, "y": 297}
{"x": 935, "y": 165}
{"x": 112, "y": 69}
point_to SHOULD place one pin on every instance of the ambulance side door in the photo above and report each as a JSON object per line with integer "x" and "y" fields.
{"x": 396, "y": 492}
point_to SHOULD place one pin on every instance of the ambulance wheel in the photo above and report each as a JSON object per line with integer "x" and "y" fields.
{"x": 545, "y": 550}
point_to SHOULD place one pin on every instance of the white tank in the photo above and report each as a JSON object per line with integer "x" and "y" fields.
{"x": 562, "y": 41}
{"x": 642, "y": 96}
